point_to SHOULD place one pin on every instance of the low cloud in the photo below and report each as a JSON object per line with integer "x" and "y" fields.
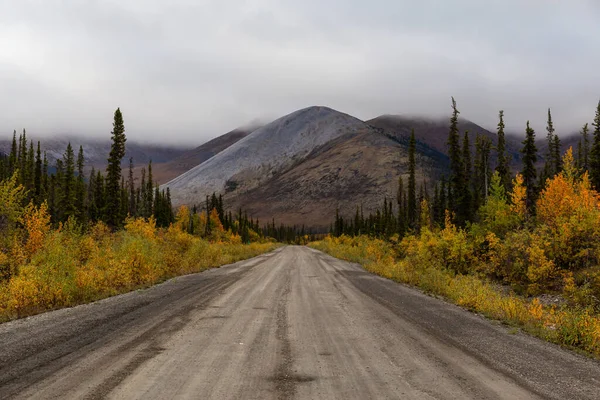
{"x": 185, "y": 71}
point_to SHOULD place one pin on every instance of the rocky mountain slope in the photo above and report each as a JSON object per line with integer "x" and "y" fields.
{"x": 166, "y": 171}
{"x": 264, "y": 153}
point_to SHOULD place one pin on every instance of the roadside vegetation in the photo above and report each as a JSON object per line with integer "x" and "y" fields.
{"x": 525, "y": 251}
{"x": 67, "y": 240}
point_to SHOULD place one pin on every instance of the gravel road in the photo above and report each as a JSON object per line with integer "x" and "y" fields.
{"x": 292, "y": 324}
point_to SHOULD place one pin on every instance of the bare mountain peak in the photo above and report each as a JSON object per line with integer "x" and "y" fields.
{"x": 264, "y": 153}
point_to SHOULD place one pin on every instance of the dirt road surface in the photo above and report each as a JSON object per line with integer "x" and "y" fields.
{"x": 292, "y": 324}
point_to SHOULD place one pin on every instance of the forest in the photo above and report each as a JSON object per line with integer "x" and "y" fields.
{"x": 523, "y": 248}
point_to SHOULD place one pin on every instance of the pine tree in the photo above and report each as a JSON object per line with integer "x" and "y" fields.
{"x": 412, "y": 199}
{"x": 113, "y": 171}
{"x": 502, "y": 167}
{"x": 529, "y": 152}
{"x": 594, "y": 160}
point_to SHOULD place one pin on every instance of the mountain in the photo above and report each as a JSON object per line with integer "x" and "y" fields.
{"x": 355, "y": 169}
{"x": 301, "y": 167}
{"x": 262, "y": 154}
{"x": 164, "y": 172}
{"x": 96, "y": 151}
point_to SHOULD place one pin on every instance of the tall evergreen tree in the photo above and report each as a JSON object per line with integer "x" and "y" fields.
{"x": 113, "y": 171}
{"x": 457, "y": 183}
{"x": 68, "y": 188}
{"x": 412, "y": 199}
{"x": 503, "y": 166}
{"x": 529, "y": 152}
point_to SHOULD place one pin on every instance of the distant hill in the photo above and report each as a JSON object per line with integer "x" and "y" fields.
{"x": 96, "y": 151}
{"x": 301, "y": 167}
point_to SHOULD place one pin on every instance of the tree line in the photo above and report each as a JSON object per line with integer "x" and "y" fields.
{"x": 467, "y": 186}
{"x": 100, "y": 197}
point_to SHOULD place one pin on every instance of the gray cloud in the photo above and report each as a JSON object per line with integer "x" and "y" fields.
{"x": 185, "y": 71}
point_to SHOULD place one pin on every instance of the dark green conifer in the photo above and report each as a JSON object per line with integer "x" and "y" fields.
{"x": 529, "y": 153}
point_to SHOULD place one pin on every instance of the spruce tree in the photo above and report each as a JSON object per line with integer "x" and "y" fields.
{"x": 503, "y": 166}
{"x": 457, "y": 183}
{"x": 529, "y": 152}
{"x": 412, "y": 199}
{"x": 113, "y": 172}
{"x": 68, "y": 187}
{"x": 594, "y": 160}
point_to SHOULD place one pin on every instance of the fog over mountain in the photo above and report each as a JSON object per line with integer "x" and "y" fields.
{"x": 186, "y": 71}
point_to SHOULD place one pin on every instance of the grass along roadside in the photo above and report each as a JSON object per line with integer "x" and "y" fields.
{"x": 574, "y": 327}
{"x": 65, "y": 267}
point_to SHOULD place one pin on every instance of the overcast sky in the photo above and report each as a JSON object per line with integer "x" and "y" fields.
{"x": 186, "y": 71}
